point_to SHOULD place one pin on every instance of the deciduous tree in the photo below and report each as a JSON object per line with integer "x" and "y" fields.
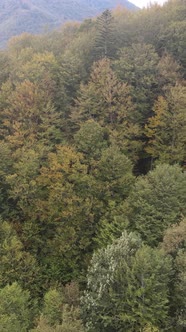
{"x": 107, "y": 101}
{"x": 14, "y": 309}
{"x": 166, "y": 130}
{"x": 127, "y": 287}
{"x": 157, "y": 201}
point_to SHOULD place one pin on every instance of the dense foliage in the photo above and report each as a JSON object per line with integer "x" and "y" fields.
{"x": 37, "y": 16}
{"x": 92, "y": 175}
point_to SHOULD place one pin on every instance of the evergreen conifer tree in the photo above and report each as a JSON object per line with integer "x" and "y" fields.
{"x": 104, "y": 42}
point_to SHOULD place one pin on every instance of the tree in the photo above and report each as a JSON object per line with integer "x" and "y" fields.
{"x": 52, "y": 309}
{"x": 157, "y": 201}
{"x": 29, "y": 116}
{"x": 104, "y": 41}
{"x": 61, "y": 215}
{"x": 150, "y": 328}
{"x": 104, "y": 99}
{"x": 127, "y": 287}
{"x": 107, "y": 101}
{"x": 4, "y": 66}
{"x": 174, "y": 243}
{"x": 137, "y": 66}
{"x": 90, "y": 140}
{"x": 178, "y": 297}
{"x": 169, "y": 71}
{"x": 6, "y": 164}
{"x": 61, "y": 312}
{"x": 174, "y": 36}
{"x": 71, "y": 322}
{"x": 166, "y": 129}
{"x": 14, "y": 309}
{"x": 17, "y": 265}
{"x": 35, "y": 66}
{"x": 175, "y": 238}
{"x": 114, "y": 180}
{"x": 22, "y": 185}
{"x": 107, "y": 189}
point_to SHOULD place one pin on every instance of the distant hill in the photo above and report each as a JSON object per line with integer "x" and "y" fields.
{"x": 17, "y": 16}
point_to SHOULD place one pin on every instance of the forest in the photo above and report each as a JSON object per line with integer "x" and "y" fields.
{"x": 93, "y": 175}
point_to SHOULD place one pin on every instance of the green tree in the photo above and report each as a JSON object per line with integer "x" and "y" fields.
{"x": 179, "y": 296}
{"x": 61, "y": 312}
{"x": 104, "y": 99}
{"x": 90, "y": 140}
{"x": 17, "y": 265}
{"x": 71, "y": 322}
{"x": 137, "y": 66}
{"x": 114, "y": 180}
{"x": 157, "y": 201}
{"x": 6, "y": 164}
{"x": 166, "y": 130}
{"x": 104, "y": 41}
{"x": 127, "y": 287}
{"x": 22, "y": 185}
{"x": 52, "y": 309}
{"x": 14, "y": 309}
{"x": 29, "y": 116}
{"x": 61, "y": 212}
{"x": 174, "y": 36}
{"x": 150, "y": 328}
{"x": 169, "y": 71}
{"x": 114, "y": 172}
{"x": 4, "y": 66}
{"x": 174, "y": 243}
{"x": 43, "y": 326}
{"x": 107, "y": 101}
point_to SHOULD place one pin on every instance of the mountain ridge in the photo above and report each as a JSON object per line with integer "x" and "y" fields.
{"x": 18, "y": 16}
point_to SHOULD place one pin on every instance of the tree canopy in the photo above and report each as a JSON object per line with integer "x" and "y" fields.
{"x": 92, "y": 175}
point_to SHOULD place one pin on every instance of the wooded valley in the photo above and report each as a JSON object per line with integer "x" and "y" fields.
{"x": 93, "y": 177}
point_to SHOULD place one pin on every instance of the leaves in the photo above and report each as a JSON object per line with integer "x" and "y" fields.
{"x": 86, "y": 113}
{"x": 166, "y": 129}
{"x": 156, "y": 202}
{"x": 127, "y": 287}
{"x": 14, "y": 308}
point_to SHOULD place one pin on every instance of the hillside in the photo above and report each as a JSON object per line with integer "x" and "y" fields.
{"x": 17, "y": 16}
{"x": 93, "y": 175}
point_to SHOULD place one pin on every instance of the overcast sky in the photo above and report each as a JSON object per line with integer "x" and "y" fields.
{"x": 144, "y": 3}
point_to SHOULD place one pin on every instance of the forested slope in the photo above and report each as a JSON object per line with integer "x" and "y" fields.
{"x": 92, "y": 175}
{"x": 36, "y": 16}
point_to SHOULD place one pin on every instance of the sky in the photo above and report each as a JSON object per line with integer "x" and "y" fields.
{"x": 144, "y": 3}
